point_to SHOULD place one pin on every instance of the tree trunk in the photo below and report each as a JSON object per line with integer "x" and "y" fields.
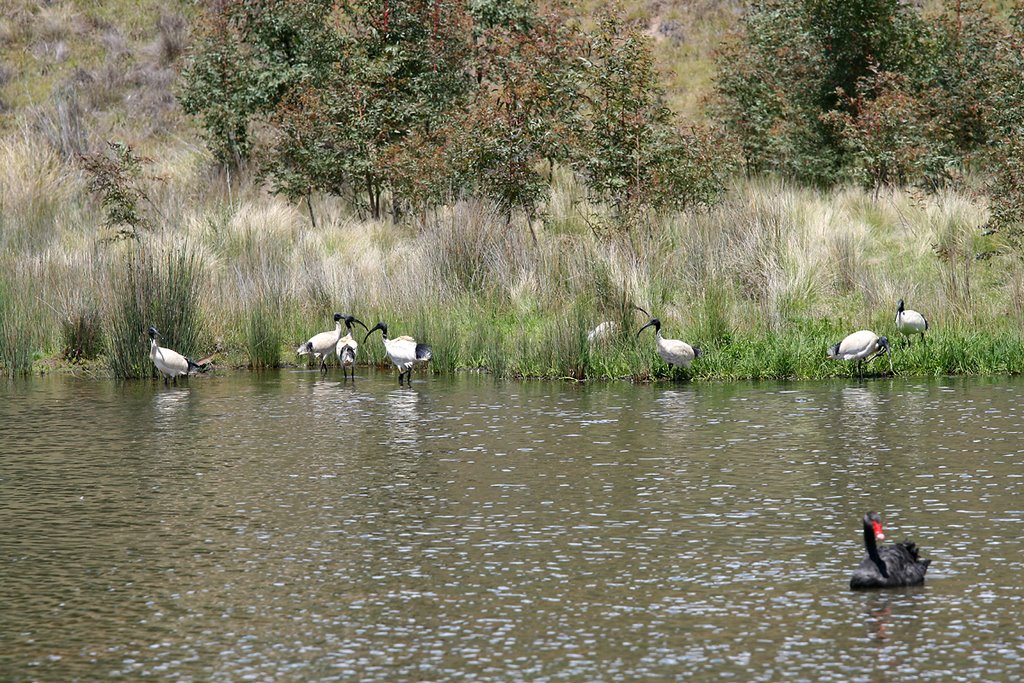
{"x": 309, "y": 206}
{"x": 373, "y": 194}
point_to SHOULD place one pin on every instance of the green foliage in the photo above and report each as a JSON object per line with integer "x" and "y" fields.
{"x": 828, "y": 90}
{"x": 82, "y": 335}
{"x": 116, "y": 176}
{"x": 427, "y": 102}
{"x": 630, "y": 150}
{"x": 887, "y": 137}
{"x": 18, "y": 326}
{"x": 263, "y": 335}
{"x": 392, "y": 73}
{"x": 150, "y": 290}
{"x": 524, "y": 110}
{"x": 246, "y": 56}
{"x": 796, "y": 60}
{"x": 1003, "y": 115}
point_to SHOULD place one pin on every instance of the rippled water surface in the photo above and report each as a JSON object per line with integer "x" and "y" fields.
{"x": 288, "y": 527}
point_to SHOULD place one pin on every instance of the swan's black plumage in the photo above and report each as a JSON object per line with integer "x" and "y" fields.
{"x": 889, "y": 566}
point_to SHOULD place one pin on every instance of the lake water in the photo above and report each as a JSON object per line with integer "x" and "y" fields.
{"x": 286, "y": 527}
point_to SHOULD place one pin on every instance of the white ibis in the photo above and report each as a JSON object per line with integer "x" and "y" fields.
{"x": 860, "y": 346}
{"x": 672, "y": 351}
{"x": 404, "y": 352}
{"x": 346, "y": 347}
{"x": 910, "y": 322}
{"x": 320, "y": 345}
{"x": 602, "y": 332}
{"x": 172, "y": 364}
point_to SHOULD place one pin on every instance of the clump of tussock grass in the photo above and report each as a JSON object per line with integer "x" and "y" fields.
{"x": 172, "y": 37}
{"x": 150, "y": 288}
{"x": 19, "y": 326}
{"x": 82, "y": 335}
{"x": 263, "y": 337}
{"x": 443, "y": 333}
{"x": 62, "y": 123}
{"x": 38, "y": 188}
{"x": 104, "y": 87}
{"x": 64, "y": 282}
{"x": 54, "y": 22}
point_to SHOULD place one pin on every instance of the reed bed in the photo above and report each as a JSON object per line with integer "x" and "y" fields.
{"x": 763, "y": 282}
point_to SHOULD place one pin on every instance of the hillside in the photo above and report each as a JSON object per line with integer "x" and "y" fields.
{"x": 83, "y": 72}
{"x": 764, "y": 281}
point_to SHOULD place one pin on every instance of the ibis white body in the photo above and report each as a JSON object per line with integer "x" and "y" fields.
{"x": 320, "y": 345}
{"x": 346, "y": 350}
{"x": 909, "y": 321}
{"x": 856, "y": 346}
{"x": 602, "y": 331}
{"x": 860, "y": 346}
{"x": 675, "y": 351}
{"x": 347, "y": 346}
{"x": 672, "y": 351}
{"x": 403, "y": 351}
{"x": 170, "y": 363}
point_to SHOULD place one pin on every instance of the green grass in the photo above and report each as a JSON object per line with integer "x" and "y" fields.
{"x": 19, "y": 327}
{"x": 153, "y": 289}
{"x": 757, "y": 283}
{"x": 263, "y": 339}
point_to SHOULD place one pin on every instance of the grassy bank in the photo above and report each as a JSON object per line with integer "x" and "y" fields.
{"x": 763, "y": 283}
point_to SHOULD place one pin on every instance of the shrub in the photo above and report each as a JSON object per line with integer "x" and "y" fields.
{"x": 82, "y": 335}
{"x": 115, "y": 176}
{"x": 789, "y": 63}
{"x": 629, "y": 148}
{"x": 150, "y": 289}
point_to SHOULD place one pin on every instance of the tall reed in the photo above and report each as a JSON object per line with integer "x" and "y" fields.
{"x": 263, "y": 338}
{"x": 153, "y": 289}
{"x": 19, "y": 317}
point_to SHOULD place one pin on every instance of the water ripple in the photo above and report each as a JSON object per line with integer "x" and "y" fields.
{"x": 286, "y": 526}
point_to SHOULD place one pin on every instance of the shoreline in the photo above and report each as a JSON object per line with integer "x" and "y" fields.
{"x": 987, "y": 354}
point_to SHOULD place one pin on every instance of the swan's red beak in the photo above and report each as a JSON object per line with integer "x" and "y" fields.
{"x": 877, "y": 526}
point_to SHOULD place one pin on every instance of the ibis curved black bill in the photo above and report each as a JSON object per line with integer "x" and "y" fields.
{"x": 652, "y": 322}
{"x": 349, "y": 319}
{"x": 379, "y": 326}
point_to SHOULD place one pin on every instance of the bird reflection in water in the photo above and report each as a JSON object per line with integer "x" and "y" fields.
{"x": 170, "y": 400}
{"x": 887, "y": 660}
{"x": 879, "y": 612}
{"x": 403, "y": 417}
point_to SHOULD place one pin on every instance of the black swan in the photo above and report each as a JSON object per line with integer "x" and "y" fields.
{"x": 889, "y": 566}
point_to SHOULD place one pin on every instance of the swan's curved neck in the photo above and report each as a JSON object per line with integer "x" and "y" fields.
{"x": 872, "y": 547}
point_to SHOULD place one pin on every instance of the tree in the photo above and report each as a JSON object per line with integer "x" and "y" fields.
{"x": 247, "y": 55}
{"x": 523, "y": 109}
{"x": 630, "y": 148}
{"x": 889, "y": 138}
{"x": 781, "y": 77}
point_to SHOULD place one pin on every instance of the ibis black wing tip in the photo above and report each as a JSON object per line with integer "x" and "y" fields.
{"x": 423, "y": 352}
